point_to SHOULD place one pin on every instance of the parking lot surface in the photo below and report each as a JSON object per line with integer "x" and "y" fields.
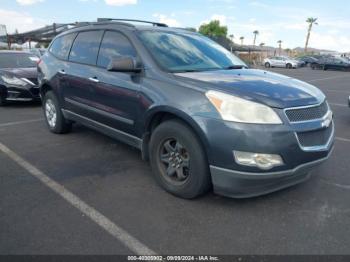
{"x": 117, "y": 186}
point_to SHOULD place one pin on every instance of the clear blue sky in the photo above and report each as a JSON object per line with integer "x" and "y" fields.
{"x": 275, "y": 20}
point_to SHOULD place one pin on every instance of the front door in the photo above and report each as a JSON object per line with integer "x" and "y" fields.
{"x": 116, "y": 94}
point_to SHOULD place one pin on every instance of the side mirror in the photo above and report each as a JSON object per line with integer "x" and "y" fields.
{"x": 125, "y": 64}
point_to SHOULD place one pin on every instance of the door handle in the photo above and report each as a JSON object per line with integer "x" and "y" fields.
{"x": 62, "y": 72}
{"x": 94, "y": 79}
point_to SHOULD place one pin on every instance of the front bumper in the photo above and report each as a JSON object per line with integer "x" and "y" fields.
{"x": 232, "y": 179}
{"x": 22, "y": 94}
{"x": 238, "y": 184}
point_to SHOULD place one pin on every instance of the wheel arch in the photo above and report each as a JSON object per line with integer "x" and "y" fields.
{"x": 44, "y": 88}
{"x": 158, "y": 115}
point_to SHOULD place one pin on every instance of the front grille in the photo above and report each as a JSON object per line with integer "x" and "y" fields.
{"x": 315, "y": 138}
{"x": 308, "y": 113}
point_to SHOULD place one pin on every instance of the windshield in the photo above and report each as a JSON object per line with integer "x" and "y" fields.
{"x": 184, "y": 52}
{"x": 17, "y": 60}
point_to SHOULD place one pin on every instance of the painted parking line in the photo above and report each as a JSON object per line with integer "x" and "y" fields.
{"x": 21, "y": 122}
{"x": 336, "y": 91}
{"x": 327, "y": 78}
{"x": 117, "y": 232}
{"x": 342, "y": 139}
{"x": 335, "y": 104}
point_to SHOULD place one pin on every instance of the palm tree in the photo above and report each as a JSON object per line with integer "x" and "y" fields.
{"x": 241, "y": 38}
{"x": 279, "y": 46}
{"x": 231, "y": 37}
{"x": 261, "y": 46}
{"x": 311, "y": 21}
{"x": 256, "y": 32}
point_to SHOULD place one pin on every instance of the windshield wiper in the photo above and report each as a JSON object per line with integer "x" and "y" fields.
{"x": 231, "y": 67}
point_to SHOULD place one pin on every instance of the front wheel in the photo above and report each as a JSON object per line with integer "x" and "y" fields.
{"x": 289, "y": 66}
{"x": 267, "y": 65}
{"x": 54, "y": 116}
{"x": 2, "y": 100}
{"x": 178, "y": 160}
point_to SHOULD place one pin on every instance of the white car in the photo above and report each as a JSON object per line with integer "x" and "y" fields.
{"x": 281, "y": 61}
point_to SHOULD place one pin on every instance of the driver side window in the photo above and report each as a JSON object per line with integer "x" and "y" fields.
{"x": 114, "y": 45}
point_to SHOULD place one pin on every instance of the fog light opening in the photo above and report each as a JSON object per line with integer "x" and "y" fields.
{"x": 262, "y": 161}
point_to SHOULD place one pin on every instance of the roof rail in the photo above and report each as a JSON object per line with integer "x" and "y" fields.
{"x": 131, "y": 20}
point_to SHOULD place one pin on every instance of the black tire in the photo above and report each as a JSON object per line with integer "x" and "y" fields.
{"x": 313, "y": 67}
{"x": 195, "y": 171}
{"x": 289, "y": 66}
{"x": 267, "y": 65}
{"x": 3, "y": 101}
{"x": 61, "y": 125}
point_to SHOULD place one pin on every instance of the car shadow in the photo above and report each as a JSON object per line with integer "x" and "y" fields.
{"x": 21, "y": 104}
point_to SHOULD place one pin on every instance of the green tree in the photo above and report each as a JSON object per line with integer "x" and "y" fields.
{"x": 213, "y": 29}
{"x": 311, "y": 21}
{"x": 256, "y": 32}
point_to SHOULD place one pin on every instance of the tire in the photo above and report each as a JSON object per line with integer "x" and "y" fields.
{"x": 267, "y": 65}
{"x": 53, "y": 115}
{"x": 289, "y": 66}
{"x": 192, "y": 179}
{"x": 3, "y": 101}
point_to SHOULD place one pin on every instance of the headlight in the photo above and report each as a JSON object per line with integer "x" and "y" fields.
{"x": 236, "y": 109}
{"x": 12, "y": 80}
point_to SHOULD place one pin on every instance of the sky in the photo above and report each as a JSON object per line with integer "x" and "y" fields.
{"x": 274, "y": 19}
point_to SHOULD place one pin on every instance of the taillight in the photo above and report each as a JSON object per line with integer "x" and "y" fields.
{"x": 39, "y": 61}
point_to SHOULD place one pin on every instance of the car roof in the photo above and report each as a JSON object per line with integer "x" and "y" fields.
{"x": 113, "y": 25}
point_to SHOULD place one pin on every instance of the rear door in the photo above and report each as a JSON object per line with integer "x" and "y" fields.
{"x": 59, "y": 49}
{"x": 283, "y": 62}
{"x": 79, "y": 93}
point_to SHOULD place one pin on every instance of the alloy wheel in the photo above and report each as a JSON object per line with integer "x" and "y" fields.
{"x": 174, "y": 161}
{"x": 50, "y": 112}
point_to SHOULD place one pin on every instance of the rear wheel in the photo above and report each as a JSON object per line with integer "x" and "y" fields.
{"x": 178, "y": 160}
{"x": 267, "y": 65}
{"x": 54, "y": 116}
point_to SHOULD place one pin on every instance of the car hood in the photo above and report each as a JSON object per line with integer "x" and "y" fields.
{"x": 29, "y": 73}
{"x": 260, "y": 86}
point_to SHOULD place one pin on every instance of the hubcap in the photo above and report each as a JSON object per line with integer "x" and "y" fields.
{"x": 175, "y": 161}
{"x": 50, "y": 112}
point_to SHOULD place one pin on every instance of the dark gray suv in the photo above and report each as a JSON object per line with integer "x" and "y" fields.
{"x": 197, "y": 112}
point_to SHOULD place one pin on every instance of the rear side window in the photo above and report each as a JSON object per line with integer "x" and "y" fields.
{"x": 113, "y": 45}
{"x": 61, "y": 46}
{"x": 85, "y": 47}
